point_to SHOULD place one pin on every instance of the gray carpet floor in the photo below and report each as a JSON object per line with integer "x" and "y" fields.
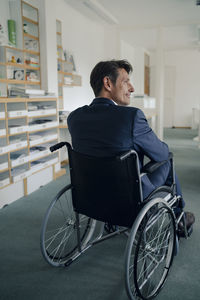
{"x": 98, "y": 274}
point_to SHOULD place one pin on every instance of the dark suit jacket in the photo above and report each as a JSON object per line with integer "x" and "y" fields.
{"x": 105, "y": 129}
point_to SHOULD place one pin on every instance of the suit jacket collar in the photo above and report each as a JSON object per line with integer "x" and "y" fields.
{"x": 102, "y": 100}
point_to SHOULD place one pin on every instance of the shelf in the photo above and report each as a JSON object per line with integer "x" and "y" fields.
{"x": 31, "y": 52}
{"x": 23, "y": 82}
{"x": 3, "y": 167}
{"x": 4, "y": 170}
{"x": 31, "y": 36}
{"x": 39, "y": 99}
{"x": 14, "y": 49}
{"x": 14, "y": 111}
{"x": 63, "y": 126}
{"x": 69, "y": 84}
{"x": 3, "y": 80}
{"x": 22, "y": 66}
{"x": 4, "y": 182}
{"x": 30, "y": 20}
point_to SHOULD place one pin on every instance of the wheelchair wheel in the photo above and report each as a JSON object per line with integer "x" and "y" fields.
{"x": 58, "y": 238}
{"x": 150, "y": 250}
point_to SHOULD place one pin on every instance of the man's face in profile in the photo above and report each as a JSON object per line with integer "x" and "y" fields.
{"x": 122, "y": 89}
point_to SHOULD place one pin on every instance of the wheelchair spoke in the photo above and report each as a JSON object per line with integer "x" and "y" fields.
{"x": 151, "y": 252}
{"x": 59, "y": 232}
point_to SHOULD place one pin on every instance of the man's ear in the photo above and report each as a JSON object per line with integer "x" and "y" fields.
{"x": 107, "y": 83}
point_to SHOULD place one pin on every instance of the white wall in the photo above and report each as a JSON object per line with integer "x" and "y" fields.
{"x": 127, "y": 52}
{"x": 186, "y": 64}
{"x": 187, "y": 89}
{"x": 85, "y": 39}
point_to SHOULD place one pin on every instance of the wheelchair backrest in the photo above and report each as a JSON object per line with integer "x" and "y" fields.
{"x": 106, "y": 189}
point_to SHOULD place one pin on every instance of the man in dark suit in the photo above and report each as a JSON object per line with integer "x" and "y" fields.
{"x": 108, "y": 127}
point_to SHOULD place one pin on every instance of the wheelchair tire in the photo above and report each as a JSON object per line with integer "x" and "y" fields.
{"x": 150, "y": 250}
{"x": 58, "y": 239}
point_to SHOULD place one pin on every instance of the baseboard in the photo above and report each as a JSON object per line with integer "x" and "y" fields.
{"x": 64, "y": 162}
{"x": 182, "y": 127}
{"x": 60, "y": 173}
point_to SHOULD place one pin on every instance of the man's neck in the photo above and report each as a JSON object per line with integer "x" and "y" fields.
{"x": 107, "y": 97}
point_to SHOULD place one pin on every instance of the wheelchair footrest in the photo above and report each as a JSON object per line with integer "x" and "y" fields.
{"x": 181, "y": 233}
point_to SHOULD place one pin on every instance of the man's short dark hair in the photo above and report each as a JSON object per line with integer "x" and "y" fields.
{"x": 107, "y": 68}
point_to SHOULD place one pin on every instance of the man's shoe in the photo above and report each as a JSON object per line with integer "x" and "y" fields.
{"x": 189, "y": 221}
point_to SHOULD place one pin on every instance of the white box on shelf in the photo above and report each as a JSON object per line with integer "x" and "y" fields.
{"x": 43, "y": 126}
{"x": 34, "y": 156}
{"x": 50, "y": 162}
{"x": 4, "y": 182}
{"x": 41, "y": 112}
{"x": 36, "y": 168}
{"x": 2, "y": 115}
{"x": 18, "y": 145}
{"x": 21, "y": 176}
{"x": 19, "y": 161}
{"x": 17, "y": 113}
{"x": 2, "y": 132}
{"x": 12, "y": 147}
{"x": 18, "y": 129}
{"x": 4, "y": 166}
{"x": 4, "y": 149}
{"x": 44, "y": 139}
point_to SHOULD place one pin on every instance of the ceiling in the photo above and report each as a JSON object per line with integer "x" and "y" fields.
{"x": 139, "y": 20}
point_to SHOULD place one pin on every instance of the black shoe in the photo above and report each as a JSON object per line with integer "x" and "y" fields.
{"x": 189, "y": 221}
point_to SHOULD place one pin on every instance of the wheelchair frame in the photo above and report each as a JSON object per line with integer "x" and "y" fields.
{"x": 151, "y": 244}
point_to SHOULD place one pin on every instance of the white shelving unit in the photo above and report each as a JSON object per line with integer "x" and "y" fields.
{"x": 28, "y": 127}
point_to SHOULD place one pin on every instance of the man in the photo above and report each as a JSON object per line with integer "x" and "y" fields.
{"x": 108, "y": 127}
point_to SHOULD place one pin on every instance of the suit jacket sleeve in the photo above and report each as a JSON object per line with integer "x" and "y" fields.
{"x": 146, "y": 141}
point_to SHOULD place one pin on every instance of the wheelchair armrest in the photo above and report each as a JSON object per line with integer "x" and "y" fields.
{"x": 58, "y": 146}
{"x": 152, "y": 165}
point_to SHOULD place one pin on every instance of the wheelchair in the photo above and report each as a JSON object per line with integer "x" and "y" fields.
{"x": 108, "y": 191}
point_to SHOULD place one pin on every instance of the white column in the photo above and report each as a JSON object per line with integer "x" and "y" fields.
{"x": 159, "y": 82}
{"x": 48, "y": 45}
